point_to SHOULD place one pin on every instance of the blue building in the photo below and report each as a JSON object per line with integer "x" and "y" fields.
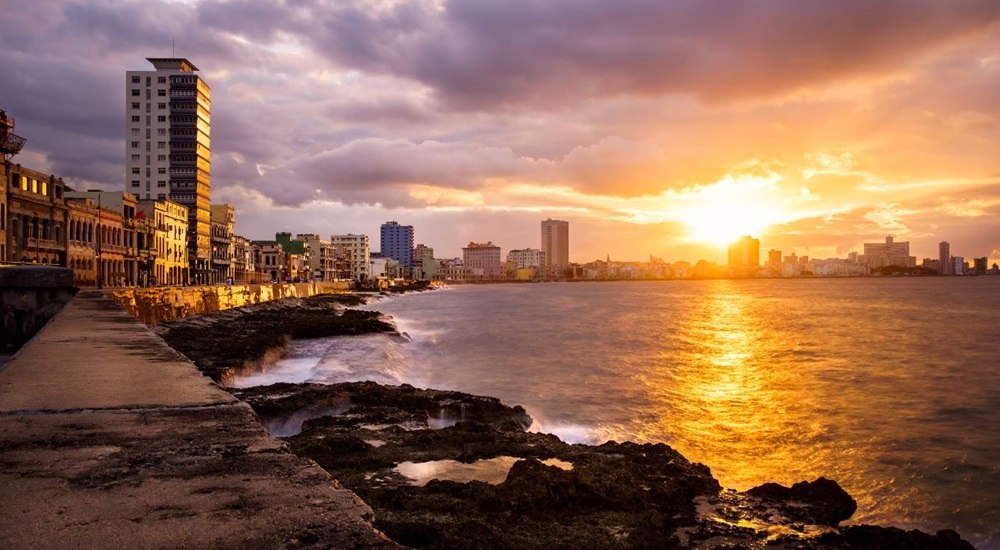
{"x": 397, "y": 243}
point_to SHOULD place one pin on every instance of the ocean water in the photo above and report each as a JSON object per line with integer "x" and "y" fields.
{"x": 889, "y": 386}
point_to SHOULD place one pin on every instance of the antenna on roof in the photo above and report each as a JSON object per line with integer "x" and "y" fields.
{"x": 173, "y": 48}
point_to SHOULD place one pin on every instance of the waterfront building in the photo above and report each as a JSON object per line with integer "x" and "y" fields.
{"x": 269, "y": 257}
{"x": 243, "y": 261}
{"x": 81, "y": 243}
{"x": 889, "y": 253}
{"x": 223, "y": 227}
{"x": 296, "y": 265}
{"x": 745, "y": 252}
{"x": 118, "y": 251}
{"x": 396, "y": 242}
{"x": 168, "y": 148}
{"x": 482, "y": 261}
{"x": 10, "y": 145}
{"x": 944, "y": 258}
{"x": 424, "y": 264}
{"x": 958, "y": 266}
{"x": 169, "y": 222}
{"x": 36, "y": 217}
{"x": 357, "y": 251}
{"x": 527, "y": 257}
{"x": 321, "y": 260}
{"x": 555, "y": 245}
{"x": 979, "y": 265}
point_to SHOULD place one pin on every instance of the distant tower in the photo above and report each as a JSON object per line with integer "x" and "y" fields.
{"x": 555, "y": 244}
{"x": 944, "y": 258}
{"x": 745, "y": 252}
{"x": 167, "y": 147}
{"x": 397, "y": 243}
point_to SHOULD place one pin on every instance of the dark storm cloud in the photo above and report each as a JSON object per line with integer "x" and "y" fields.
{"x": 481, "y": 53}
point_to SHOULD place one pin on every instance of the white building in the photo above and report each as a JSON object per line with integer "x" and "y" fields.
{"x": 889, "y": 253}
{"x": 168, "y": 150}
{"x": 527, "y": 257}
{"x": 357, "y": 251}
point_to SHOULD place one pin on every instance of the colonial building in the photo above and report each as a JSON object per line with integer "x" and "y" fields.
{"x": 169, "y": 222}
{"x": 36, "y": 217}
{"x": 321, "y": 259}
{"x": 82, "y": 243}
{"x": 223, "y": 226}
{"x": 269, "y": 257}
{"x": 243, "y": 261}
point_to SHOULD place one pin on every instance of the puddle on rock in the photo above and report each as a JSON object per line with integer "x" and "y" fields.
{"x": 490, "y": 470}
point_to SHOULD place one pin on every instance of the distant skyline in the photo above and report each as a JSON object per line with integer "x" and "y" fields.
{"x": 654, "y": 128}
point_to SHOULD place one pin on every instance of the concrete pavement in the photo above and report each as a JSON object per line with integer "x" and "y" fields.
{"x": 111, "y": 439}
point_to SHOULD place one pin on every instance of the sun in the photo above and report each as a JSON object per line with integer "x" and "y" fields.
{"x": 719, "y": 218}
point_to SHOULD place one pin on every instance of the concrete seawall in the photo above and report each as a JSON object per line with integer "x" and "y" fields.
{"x": 154, "y": 305}
{"x": 111, "y": 439}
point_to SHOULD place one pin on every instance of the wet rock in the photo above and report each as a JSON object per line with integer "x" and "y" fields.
{"x": 821, "y": 502}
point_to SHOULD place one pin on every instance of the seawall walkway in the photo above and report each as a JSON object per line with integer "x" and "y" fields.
{"x": 111, "y": 439}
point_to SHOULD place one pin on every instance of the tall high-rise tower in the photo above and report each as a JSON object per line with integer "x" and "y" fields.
{"x": 555, "y": 244}
{"x": 168, "y": 150}
{"x": 397, "y": 243}
{"x": 944, "y": 258}
{"x": 745, "y": 252}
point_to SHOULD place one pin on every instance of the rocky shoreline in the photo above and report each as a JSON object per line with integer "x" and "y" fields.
{"x": 445, "y": 469}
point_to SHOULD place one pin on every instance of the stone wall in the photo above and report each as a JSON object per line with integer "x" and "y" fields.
{"x": 153, "y": 305}
{"x": 30, "y": 295}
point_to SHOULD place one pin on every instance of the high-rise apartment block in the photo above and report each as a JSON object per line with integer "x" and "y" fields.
{"x": 944, "y": 258}
{"x": 168, "y": 150}
{"x": 555, "y": 244}
{"x": 745, "y": 252}
{"x": 397, "y": 243}
{"x": 357, "y": 251}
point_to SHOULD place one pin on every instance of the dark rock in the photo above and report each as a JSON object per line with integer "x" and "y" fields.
{"x": 824, "y": 501}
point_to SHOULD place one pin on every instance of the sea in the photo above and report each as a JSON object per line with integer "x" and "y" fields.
{"x": 890, "y": 386}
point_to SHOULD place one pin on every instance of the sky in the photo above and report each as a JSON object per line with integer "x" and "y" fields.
{"x": 655, "y": 128}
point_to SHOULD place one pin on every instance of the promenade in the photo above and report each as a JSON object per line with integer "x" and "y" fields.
{"x": 111, "y": 439}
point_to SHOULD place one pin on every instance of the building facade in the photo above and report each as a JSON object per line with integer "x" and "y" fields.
{"x": 321, "y": 259}
{"x": 555, "y": 245}
{"x": 223, "y": 227}
{"x": 944, "y": 258}
{"x": 396, "y": 242}
{"x": 889, "y": 253}
{"x": 36, "y": 217}
{"x": 357, "y": 251}
{"x": 81, "y": 241}
{"x": 482, "y": 261}
{"x": 168, "y": 147}
{"x": 744, "y": 253}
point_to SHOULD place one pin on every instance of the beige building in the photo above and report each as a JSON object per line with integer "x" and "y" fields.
{"x": 555, "y": 245}
{"x": 889, "y": 253}
{"x": 36, "y": 217}
{"x": 482, "y": 261}
{"x": 168, "y": 149}
{"x": 169, "y": 221}
{"x": 358, "y": 253}
{"x": 320, "y": 257}
{"x": 243, "y": 261}
{"x": 223, "y": 227}
{"x": 82, "y": 243}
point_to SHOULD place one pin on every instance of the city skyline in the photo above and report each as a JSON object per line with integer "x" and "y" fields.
{"x": 859, "y": 124}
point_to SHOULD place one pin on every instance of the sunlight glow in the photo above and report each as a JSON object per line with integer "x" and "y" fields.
{"x": 737, "y": 205}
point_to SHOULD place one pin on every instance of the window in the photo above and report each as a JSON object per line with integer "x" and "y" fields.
{"x": 161, "y": 132}
{"x": 135, "y": 144}
{"x": 135, "y": 170}
{"x": 161, "y": 196}
{"x": 135, "y": 183}
{"x": 161, "y": 145}
{"x": 161, "y": 118}
{"x": 135, "y": 131}
{"x": 136, "y": 105}
{"x": 161, "y": 158}
{"x": 135, "y": 118}
{"x": 136, "y": 92}
{"x": 161, "y": 183}
{"x": 136, "y": 80}
{"x": 161, "y": 79}
{"x": 161, "y": 93}
{"x": 161, "y": 105}
{"x": 161, "y": 170}
{"x": 45, "y": 188}
{"x": 135, "y": 158}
